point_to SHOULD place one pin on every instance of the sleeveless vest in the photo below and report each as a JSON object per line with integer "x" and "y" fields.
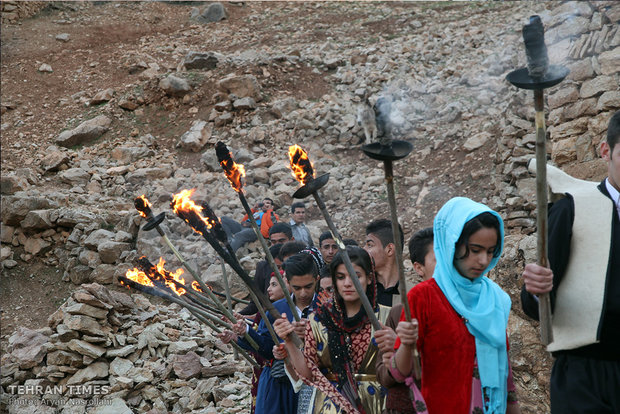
{"x": 579, "y": 300}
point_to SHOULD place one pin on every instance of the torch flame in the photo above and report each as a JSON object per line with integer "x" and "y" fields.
{"x": 170, "y": 275}
{"x": 196, "y": 286}
{"x": 300, "y": 164}
{"x": 139, "y": 276}
{"x": 142, "y": 205}
{"x": 184, "y": 207}
{"x": 234, "y": 172}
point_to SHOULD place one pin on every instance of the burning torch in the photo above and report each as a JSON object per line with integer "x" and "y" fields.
{"x": 156, "y": 281}
{"x": 304, "y": 173}
{"x": 235, "y": 172}
{"x": 210, "y": 228}
{"x": 537, "y": 76}
{"x": 144, "y": 207}
{"x": 388, "y": 151}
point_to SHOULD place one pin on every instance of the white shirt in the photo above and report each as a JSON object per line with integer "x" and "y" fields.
{"x": 615, "y": 195}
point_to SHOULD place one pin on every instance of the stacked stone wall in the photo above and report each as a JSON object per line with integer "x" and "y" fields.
{"x": 12, "y": 10}
{"x": 585, "y": 36}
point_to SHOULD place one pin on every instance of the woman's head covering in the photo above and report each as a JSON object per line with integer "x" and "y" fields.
{"x": 316, "y": 256}
{"x": 481, "y": 302}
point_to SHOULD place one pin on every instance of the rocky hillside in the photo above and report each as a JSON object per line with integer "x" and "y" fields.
{"x": 102, "y": 102}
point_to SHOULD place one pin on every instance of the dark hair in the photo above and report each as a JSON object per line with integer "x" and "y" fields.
{"x": 349, "y": 242}
{"x": 275, "y": 250}
{"x": 299, "y": 264}
{"x": 324, "y": 272}
{"x": 324, "y": 236}
{"x": 358, "y": 257}
{"x": 486, "y": 220}
{"x": 267, "y": 198}
{"x": 291, "y": 248}
{"x": 281, "y": 227}
{"x": 419, "y": 245}
{"x": 297, "y": 204}
{"x": 382, "y": 229}
{"x": 613, "y": 131}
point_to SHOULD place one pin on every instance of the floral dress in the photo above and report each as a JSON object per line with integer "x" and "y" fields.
{"x": 363, "y": 350}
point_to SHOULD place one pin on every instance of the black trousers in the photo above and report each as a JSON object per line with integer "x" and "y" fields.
{"x": 585, "y": 386}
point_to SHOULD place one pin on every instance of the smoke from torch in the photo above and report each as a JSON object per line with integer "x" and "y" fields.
{"x": 234, "y": 172}
{"x": 300, "y": 164}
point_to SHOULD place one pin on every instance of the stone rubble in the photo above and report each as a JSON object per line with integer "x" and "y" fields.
{"x": 75, "y": 209}
{"x": 139, "y": 356}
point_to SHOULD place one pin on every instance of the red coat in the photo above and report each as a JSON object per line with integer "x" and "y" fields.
{"x": 266, "y": 221}
{"x": 447, "y": 350}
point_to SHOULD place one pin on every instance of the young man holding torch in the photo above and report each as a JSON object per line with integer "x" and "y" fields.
{"x": 381, "y": 247}
{"x": 275, "y": 392}
{"x": 422, "y": 256}
{"x": 584, "y": 283}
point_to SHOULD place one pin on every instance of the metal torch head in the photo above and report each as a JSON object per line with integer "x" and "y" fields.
{"x": 143, "y": 206}
{"x": 383, "y": 108}
{"x": 234, "y": 172}
{"x": 535, "y": 49}
{"x": 216, "y": 225}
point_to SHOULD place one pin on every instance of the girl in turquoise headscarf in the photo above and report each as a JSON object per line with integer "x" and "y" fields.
{"x": 460, "y": 318}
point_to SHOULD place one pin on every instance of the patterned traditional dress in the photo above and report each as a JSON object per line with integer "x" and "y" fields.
{"x": 363, "y": 350}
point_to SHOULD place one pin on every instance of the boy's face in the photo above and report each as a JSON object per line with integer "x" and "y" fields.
{"x": 278, "y": 238}
{"x": 427, "y": 269}
{"x": 328, "y": 248}
{"x": 303, "y": 287}
{"x": 613, "y": 163}
{"x": 376, "y": 250}
{"x": 299, "y": 215}
{"x": 267, "y": 204}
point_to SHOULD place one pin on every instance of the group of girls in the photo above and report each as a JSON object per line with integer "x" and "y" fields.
{"x": 458, "y": 326}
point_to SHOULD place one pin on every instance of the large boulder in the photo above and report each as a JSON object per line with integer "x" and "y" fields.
{"x": 187, "y": 366}
{"x": 53, "y": 159}
{"x": 11, "y": 183}
{"x": 37, "y": 220}
{"x": 241, "y": 86}
{"x": 200, "y": 60}
{"x": 28, "y": 347}
{"x": 141, "y": 175}
{"x": 197, "y": 136}
{"x": 98, "y": 237}
{"x": 97, "y": 370}
{"x": 175, "y": 86}
{"x": 75, "y": 176}
{"x": 102, "y": 96}
{"x": 110, "y": 251}
{"x": 86, "y": 132}
{"x": 214, "y": 12}
{"x": 16, "y": 207}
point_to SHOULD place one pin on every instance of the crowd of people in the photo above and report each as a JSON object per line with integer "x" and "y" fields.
{"x": 457, "y": 330}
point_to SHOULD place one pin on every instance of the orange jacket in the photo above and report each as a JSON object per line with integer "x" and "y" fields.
{"x": 268, "y": 220}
